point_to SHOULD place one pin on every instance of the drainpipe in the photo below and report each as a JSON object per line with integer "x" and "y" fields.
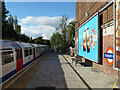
{"x": 114, "y": 38}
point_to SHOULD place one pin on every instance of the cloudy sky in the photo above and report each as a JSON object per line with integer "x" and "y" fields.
{"x": 40, "y": 19}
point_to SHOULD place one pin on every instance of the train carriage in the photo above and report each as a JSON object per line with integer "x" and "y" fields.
{"x": 10, "y": 57}
{"x": 27, "y": 49}
{"x": 40, "y": 49}
{"x": 16, "y": 55}
{"x": 35, "y": 46}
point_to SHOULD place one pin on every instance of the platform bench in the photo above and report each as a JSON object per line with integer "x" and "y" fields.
{"x": 78, "y": 59}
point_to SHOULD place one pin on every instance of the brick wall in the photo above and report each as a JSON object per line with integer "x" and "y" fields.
{"x": 76, "y": 33}
{"x": 91, "y": 8}
{"x": 106, "y": 68}
{"x": 118, "y": 53}
{"x": 107, "y": 42}
{"x": 107, "y": 14}
{"x": 76, "y": 42}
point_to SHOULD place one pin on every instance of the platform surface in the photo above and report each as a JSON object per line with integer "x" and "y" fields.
{"x": 54, "y": 70}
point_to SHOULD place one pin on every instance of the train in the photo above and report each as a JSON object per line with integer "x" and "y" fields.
{"x": 14, "y": 56}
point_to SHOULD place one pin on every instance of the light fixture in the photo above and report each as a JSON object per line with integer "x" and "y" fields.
{"x": 86, "y": 14}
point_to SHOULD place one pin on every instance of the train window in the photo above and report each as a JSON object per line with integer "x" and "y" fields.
{"x": 7, "y": 57}
{"x": 30, "y": 50}
{"x": 20, "y": 53}
{"x": 16, "y": 49}
{"x": 37, "y": 49}
{"x": 26, "y": 53}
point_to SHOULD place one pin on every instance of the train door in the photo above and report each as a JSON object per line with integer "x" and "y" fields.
{"x": 19, "y": 58}
{"x": 34, "y": 53}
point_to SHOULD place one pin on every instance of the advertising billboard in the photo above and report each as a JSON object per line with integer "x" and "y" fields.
{"x": 88, "y": 39}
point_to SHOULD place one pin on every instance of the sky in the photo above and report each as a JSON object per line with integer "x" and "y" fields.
{"x": 40, "y": 18}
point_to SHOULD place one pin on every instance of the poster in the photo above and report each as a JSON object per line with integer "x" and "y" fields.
{"x": 88, "y": 41}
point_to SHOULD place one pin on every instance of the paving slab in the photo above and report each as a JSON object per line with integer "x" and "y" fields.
{"x": 55, "y": 71}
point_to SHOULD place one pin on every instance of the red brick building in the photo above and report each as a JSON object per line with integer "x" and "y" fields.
{"x": 85, "y": 12}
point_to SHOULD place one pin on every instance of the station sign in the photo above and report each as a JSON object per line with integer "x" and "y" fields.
{"x": 109, "y": 55}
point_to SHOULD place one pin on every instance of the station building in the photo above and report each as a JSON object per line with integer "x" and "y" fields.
{"x": 97, "y": 35}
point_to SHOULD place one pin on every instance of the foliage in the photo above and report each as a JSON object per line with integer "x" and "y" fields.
{"x": 71, "y": 34}
{"x": 4, "y": 21}
{"x": 11, "y": 30}
{"x": 39, "y": 40}
{"x": 46, "y": 42}
{"x": 63, "y": 28}
{"x": 66, "y": 39}
{"x": 16, "y": 26}
{"x": 57, "y": 40}
{"x": 24, "y": 38}
{"x": 8, "y": 31}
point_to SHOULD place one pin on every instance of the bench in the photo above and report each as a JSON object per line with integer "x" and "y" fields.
{"x": 78, "y": 59}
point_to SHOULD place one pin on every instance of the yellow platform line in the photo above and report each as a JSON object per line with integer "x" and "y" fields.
{"x": 115, "y": 84}
{"x": 19, "y": 76}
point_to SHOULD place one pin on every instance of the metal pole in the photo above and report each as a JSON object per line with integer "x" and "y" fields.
{"x": 114, "y": 38}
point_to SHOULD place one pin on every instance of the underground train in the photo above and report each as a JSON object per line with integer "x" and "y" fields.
{"x": 14, "y": 56}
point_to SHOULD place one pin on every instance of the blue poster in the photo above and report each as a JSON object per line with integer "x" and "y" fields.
{"x": 88, "y": 39}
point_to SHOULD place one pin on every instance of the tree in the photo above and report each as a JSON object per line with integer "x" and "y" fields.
{"x": 63, "y": 28}
{"x": 71, "y": 34}
{"x": 18, "y": 29}
{"x": 16, "y": 26}
{"x": 24, "y": 38}
{"x": 66, "y": 38}
{"x": 39, "y": 40}
{"x": 31, "y": 40}
{"x": 56, "y": 40}
{"x": 8, "y": 31}
{"x": 10, "y": 20}
{"x": 4, "y": 21}
{"x": 46, "y": 42}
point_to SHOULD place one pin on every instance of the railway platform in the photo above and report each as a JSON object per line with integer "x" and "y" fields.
{"x": 94, "y": 78}
{"x": 56, "y": 71}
